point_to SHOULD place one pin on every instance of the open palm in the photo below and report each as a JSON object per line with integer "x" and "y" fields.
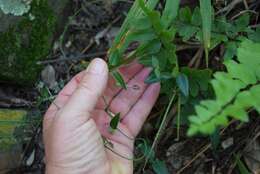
{"x": 76, "y": 121}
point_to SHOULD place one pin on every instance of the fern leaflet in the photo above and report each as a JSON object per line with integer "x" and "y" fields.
{"x": 236, "y": 91}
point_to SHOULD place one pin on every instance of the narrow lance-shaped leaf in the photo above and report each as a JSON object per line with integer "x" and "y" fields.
{"x": 134, "y": 12}
{"x": 119, "y": 79}
{"x": 114, "y": 122}
{"x": 159, "y": 167}
{"x": 114, "y": 58}
{"x": 241, "y": 166}
{"x": 206, "y": 14}
{"x": 154, "y": 17}
{"x": 170, "y": 12}
{"x": 183, "y": 84}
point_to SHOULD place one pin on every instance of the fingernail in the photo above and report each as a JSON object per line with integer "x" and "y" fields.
{"x": 97, "y": 66}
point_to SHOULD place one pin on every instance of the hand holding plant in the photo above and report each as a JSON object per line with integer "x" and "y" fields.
{"x": 76, "y": 121}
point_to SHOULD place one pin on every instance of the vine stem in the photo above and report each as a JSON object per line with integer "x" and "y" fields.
{"x": 111, "y": 115}
{"x": 125, "y": 157}
{"x": 178, "y": 117}
{"x": 162, "y": 125}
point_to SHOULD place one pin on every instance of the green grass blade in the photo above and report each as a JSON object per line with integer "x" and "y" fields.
{"x": 206, "y": 14}
{"x": 116, "y": 51}
{"x": 170, "y": 12}
{"x": 241, "y": 166}
{"x": 152, "y": 3}
{"x": 134, "y": 12}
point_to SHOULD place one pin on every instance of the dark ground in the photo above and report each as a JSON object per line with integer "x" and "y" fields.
{"x": 89, "y": 34}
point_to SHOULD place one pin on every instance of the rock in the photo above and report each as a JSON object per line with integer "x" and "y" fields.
{"x": 175, "y": 156}
{"x": 227, "y": 143}
{"x": 10, "y": 149}
{"x": 31, "y": 158}
{"x": 26, "y": 39}
{"x": 252, "y": 154}
{"x": 48, "y": 76}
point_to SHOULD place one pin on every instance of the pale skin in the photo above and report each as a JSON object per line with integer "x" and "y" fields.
{"x": 76, "y": 121}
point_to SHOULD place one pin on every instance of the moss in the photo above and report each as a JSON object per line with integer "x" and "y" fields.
{"x": 9, "y": 122}
{"x": 26, "y": 43}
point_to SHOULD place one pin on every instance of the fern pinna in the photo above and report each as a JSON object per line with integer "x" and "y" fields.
{"x": 236, "y": 91}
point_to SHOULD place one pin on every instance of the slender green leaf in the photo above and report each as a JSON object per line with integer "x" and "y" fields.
{"x": 159, "y": 167}
{"x": 115, "y": 121}
{"x": 185, "y": 15}
{"x": 114, "y": 58}
{"x": 134, "y": 13}
{"x": 215, "y": 139}
{"x": 154, "y": 17}
{"x": 141, "y": 36}
{"x": 206, "y": 15}
{"x": 119, "y": 79}
{"x": 242, "y": 22}
{"x": 241, "y": 166}
{"x": 170, "y": 12}
{"x": 231, "y": 50}
{"x": 255, "y": 36}
{"x": 152, "y": 78}
{"x": 150, "y": 47}
{"x": 141, "y": 23}
{"x": 196, "y": 17}
{"x": 183, "y": 84}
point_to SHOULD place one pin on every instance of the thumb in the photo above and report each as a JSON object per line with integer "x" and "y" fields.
{"x": 91, "y": 87}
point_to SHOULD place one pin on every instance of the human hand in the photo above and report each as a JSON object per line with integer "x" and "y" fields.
{"x": 75, "y": 122}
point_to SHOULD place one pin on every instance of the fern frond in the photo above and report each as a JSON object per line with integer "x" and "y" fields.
{"x": 236, "y": 91}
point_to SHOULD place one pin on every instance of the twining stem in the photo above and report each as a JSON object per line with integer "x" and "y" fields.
{"x": 109, "y": 145}
{"x": 178, "y": 117}
{"x": 162, "y": 126}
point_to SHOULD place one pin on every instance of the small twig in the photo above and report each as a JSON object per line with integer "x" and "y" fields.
{"x": 186, "y": 47}
{"x": 249, "y": 140}
{"x": 246, "y": 5}
{"x": 90, "y": 44}
{"x": 75, "y": 58}
{"x": 61, "y": 39}
{"x": 197, "y": 64}
{"x": 202, "y": 151}
{"x": 254, "y": 26}
{"x": 229, "y": 7}
{"x": 195, "y": 57}
{"x": 243, "y": 12}
{"x": 178, "y": 117}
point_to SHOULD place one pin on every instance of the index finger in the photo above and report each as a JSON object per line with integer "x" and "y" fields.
{"x": 62, "y": 98}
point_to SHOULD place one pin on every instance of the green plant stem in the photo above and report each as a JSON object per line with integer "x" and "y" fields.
{"x": 207, "y": 57}
{"x": 106, "y": 144}
{"x": 162, "y": 126}
{"x": 178, "y": 117}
